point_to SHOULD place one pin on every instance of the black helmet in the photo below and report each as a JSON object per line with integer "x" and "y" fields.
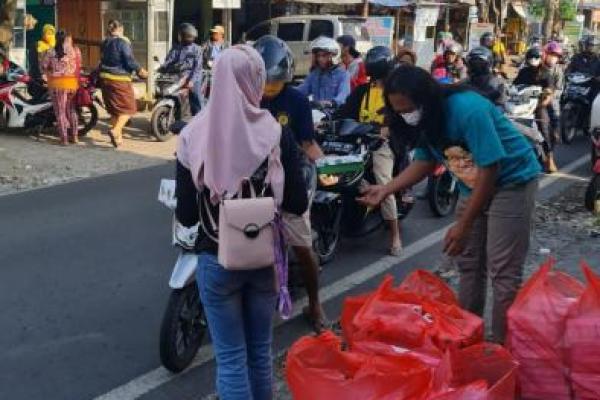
{"x": 379, "y": 62}
{"x": 533, "y": 52}
{"x": 480, "y": 61}
{"x": 188, "y": 31}
{"x": 278, "y": 58}
{"x": 591, "y": 44}
{"x": 487, "y": 40}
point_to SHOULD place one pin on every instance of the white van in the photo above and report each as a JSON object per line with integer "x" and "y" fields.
{"x": 299, "y": 30}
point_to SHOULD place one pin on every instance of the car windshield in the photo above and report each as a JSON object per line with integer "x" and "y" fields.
{"x": 356, "y": 29}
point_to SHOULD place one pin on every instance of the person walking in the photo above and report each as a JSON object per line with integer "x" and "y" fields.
{"x": 352, "y": 61}
{"x": 61, "y": 68}
{"x": 116, "y": 67}
{"x": 497, "y": 172}
{"x": 214, "y": 156}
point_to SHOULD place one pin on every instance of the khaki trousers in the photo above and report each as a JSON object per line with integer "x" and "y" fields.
{"x": 383, "y": 168}
{"x": 496, "y": 247}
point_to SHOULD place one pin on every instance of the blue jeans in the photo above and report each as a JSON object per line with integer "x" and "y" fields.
{"x": 195, "y": 97}
{"x": 239, "y": 307}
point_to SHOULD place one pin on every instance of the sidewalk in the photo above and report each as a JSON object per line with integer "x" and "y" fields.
{"x": 26, "y": 163}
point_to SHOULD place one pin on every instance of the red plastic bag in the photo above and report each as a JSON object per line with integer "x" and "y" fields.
{"x": 582, "y": 340}
{"x": 406, "y": 320}
{"x": 486, "y": 362}
{"x": 536, "y": 327}
{"x": 317, "y": 368}
{"x": 428, "y": 285}
{"x": 473, "y": 391}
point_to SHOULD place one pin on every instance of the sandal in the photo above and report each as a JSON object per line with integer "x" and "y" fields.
{"x": 316, "y": 325}
{"x": 113, "y": 138}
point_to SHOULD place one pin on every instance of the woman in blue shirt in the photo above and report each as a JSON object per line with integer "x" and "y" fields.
{"x": 497, "y": 172}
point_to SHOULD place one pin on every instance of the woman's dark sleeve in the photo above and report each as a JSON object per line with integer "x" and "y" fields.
{"x": 521, "y": 78}
{"x": 187, "y": 197}
{"x": 127, "y": 58}
{"x": 295, "y": 192}
{"x": 351, "y": 109}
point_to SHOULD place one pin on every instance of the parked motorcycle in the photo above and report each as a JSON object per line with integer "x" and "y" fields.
{"x": 19, "y": 110}
{"x": 347, "y": 166}
{"x": 592, "y": 194}
{"x": 575, "y": 105}
{"x": 184, "y": 324}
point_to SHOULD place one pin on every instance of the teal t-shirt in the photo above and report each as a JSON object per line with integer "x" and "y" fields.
{"x": 479, "y": 135}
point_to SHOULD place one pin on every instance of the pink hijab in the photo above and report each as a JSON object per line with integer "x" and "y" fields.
{"x": 232, "y": 136}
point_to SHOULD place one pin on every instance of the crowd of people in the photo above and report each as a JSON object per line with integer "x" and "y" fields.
{"x": 451, "y": 114}
{"x": 56, "y": 67}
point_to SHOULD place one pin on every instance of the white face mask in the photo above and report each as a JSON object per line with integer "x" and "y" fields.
{"x": 534, "y": 62}
{"x": 412, "y": 118}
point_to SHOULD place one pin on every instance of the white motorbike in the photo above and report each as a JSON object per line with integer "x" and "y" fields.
{"x": 184, "y": 324}
{"x": 520, "y": 108}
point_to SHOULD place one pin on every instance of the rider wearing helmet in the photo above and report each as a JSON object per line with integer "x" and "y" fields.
{"x": 366, "y": 104}
{"x": 292, "y": 109}
{"x": 587, "y": 61}
{"x": 490, "y": 41}
{"x": 479, "y": 64}
{"x": 328, "y": 82}
{"x": 542, "y": 70}
{"x": 450, "y": 65}
{"x": 185, "y": 58}
{"x": 352, "y": 62}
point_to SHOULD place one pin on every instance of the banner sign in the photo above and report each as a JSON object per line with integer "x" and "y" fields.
{"x": 381, "y": 30}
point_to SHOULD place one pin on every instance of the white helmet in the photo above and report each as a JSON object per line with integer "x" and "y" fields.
{"x": 329, "y": 45}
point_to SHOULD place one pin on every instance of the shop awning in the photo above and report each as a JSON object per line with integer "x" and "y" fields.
{"x": 519, "y": 8}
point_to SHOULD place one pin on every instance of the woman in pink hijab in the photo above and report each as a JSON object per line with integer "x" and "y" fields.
{"x": 231, "y": 139}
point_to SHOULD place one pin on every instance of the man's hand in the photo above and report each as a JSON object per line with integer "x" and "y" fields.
{"x": 142, "y": 73}
{"x": 372, "y": 196}
{"x": 456, "y": 237}
{"x": 384, "y": 132}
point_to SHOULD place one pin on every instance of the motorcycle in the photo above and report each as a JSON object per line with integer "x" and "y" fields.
{"x": 575, "y": 104}
{"x": 347, "y": 166}
{"x": 520, "y": 108}
{"x": 184, "y": 324}
{"x": 592, "y": 193}
{"x": 19, "y": 110}
{"x": 442, "y": 191}
{"x": 170, "y": 104}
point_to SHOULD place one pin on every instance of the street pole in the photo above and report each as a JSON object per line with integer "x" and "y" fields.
{"x": 365, "y": 8}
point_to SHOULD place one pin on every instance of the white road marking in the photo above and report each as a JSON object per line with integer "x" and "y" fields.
{"x": 160, "y": 376}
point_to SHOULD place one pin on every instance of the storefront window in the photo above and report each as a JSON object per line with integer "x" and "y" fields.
{"x": 19, "y": 29}
{"x": 161, "y": 26}
{"x": 134, "y": 23}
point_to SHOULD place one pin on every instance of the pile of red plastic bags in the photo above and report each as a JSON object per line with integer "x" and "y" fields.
{"x": 406, "y": 342}
{"x": 554, "y": 334}
{"x": 414, "y": 342}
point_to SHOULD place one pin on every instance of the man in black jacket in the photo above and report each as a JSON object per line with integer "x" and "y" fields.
{"x": 479, "y": 63}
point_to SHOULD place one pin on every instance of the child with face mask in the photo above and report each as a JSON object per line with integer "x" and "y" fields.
{"x": 543, "y": 70}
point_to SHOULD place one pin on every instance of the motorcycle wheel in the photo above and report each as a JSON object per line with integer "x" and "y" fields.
{"x": 88, "y": 118}
{"x": 568, "y": 125}
{"x": 442, "y": 200}
{"x": 183, "y": 329}
{"x": 592, "y": 194}
{"x": 325, "y": 245}
{"x": 161, "y": 120}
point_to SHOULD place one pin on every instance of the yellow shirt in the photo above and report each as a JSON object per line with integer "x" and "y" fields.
{"x": 371, "y": 112}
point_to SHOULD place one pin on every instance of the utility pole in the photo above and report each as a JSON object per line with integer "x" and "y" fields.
{"x": 365, "y": 8}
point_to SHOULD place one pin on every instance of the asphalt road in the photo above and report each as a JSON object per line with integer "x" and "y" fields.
{"x": 83, "y": 284}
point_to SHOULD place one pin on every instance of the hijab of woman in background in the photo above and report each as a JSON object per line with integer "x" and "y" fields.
{"x": 48, "y": 39}
{"x": 61, "y": 67}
